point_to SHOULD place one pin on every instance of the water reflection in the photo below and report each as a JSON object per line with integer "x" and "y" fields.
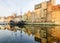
{"x": 29, "y": 34}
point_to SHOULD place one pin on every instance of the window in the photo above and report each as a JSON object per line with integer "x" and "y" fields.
{"x": 37, "y": 6}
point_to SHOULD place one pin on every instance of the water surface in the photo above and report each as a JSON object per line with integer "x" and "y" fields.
{"x": 30, "y": 34}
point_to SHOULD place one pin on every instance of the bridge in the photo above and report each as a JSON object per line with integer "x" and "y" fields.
{"x": 3, "y": 23}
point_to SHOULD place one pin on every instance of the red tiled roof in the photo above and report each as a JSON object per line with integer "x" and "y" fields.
{"x": 56, "y": 8}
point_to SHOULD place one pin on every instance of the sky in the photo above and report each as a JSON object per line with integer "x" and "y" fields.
{"x": 8, "y": 7}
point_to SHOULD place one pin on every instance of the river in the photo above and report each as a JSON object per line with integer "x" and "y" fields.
{"x": 30, "y": 34}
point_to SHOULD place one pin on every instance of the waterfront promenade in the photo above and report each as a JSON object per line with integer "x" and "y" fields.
{"x": 43, "y": 23}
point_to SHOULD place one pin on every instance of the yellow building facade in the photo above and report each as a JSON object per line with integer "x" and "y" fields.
{"x": 24, "y": 17}
{"x": 37, "y": 12}
{"x": 29, "y": 14}
{"x": 43, "y": 11}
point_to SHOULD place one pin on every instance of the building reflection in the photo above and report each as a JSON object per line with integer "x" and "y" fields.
{"x": 41, "y": 34}
{"x": 44, "y": 34}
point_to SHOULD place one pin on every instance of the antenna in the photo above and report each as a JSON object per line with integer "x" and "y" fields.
{"x": 52, "y": 2}
{"x": 21, "y": 12}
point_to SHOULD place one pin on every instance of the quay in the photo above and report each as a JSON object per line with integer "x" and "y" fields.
{"x": 44, "y": 23}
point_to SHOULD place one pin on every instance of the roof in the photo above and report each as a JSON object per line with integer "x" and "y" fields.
{"x": 56, "y": 8}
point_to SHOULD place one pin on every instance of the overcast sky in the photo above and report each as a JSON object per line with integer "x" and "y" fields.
{"x": 7, "y": 7}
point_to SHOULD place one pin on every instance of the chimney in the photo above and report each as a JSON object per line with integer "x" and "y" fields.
{"x": 52, "y": 2}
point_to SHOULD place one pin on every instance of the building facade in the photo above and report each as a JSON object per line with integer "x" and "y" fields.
{"x": 24, "y": 17}
{"x": 17, "y": 18}
{"x": 56, "y": 14}
{"x": 41, "y": 11}
{"x": 37, "y": 12}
